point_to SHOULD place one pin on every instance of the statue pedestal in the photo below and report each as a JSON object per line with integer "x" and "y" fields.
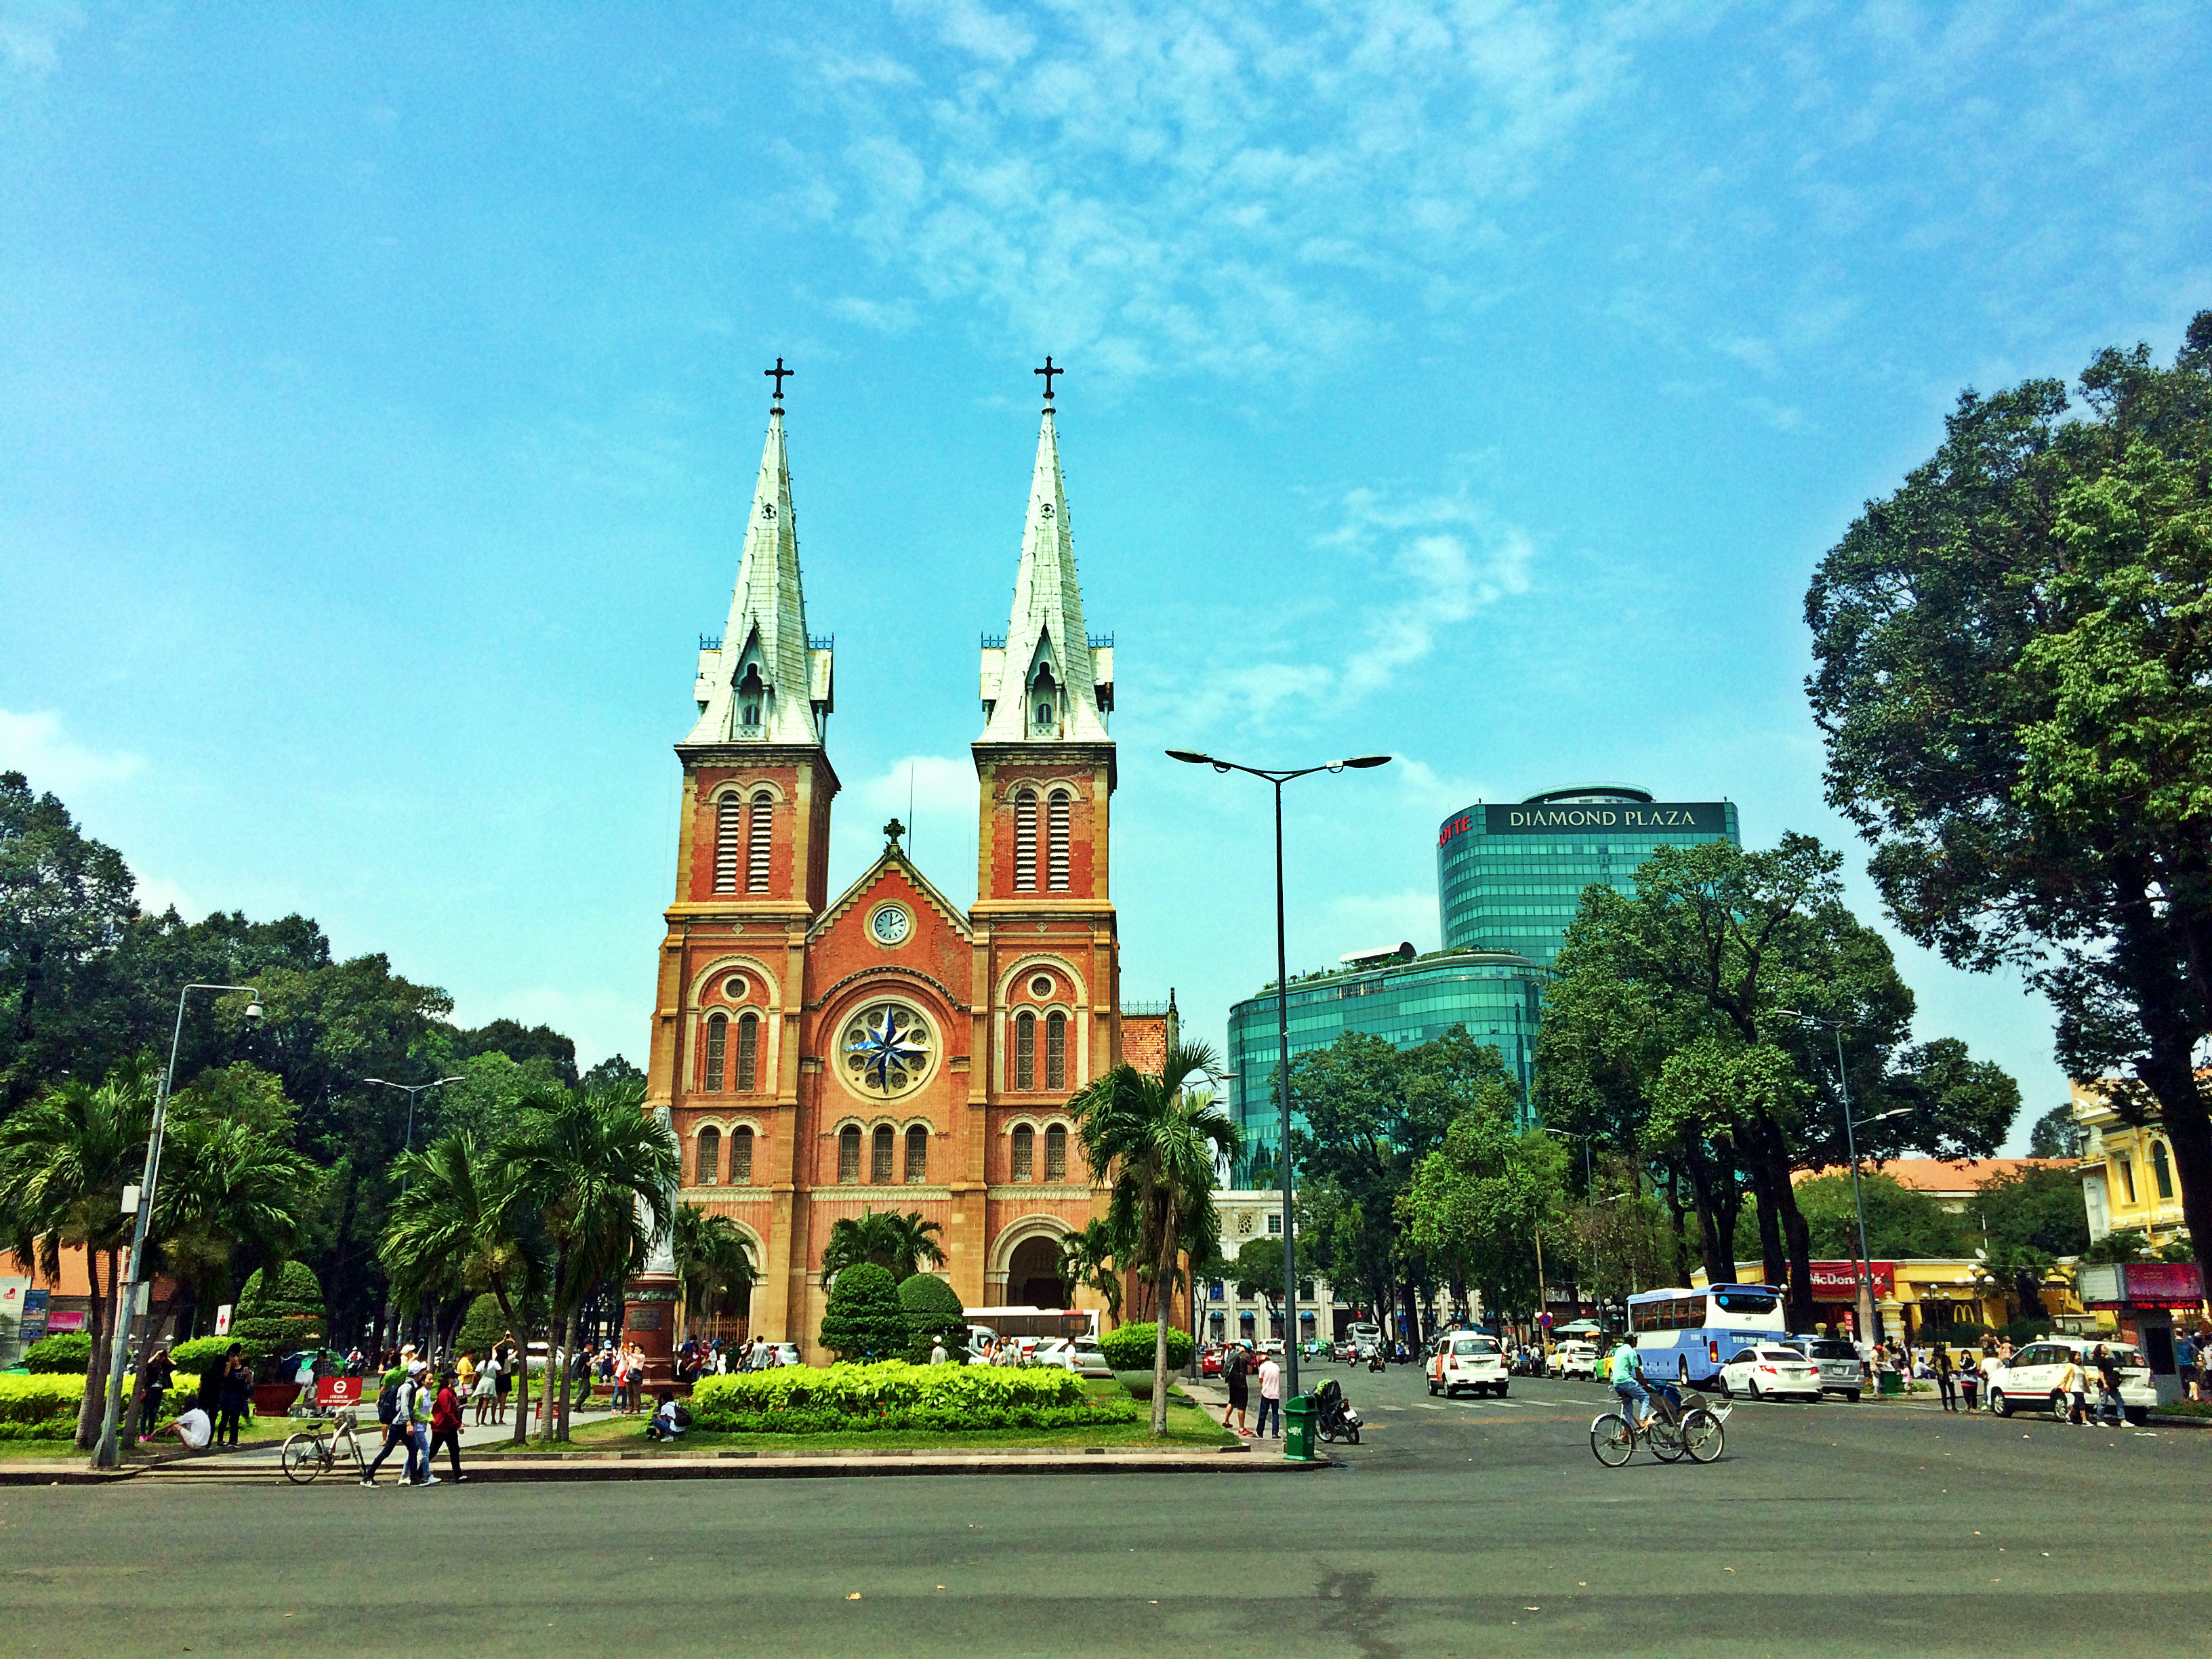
{"x": 649, "y": 1323}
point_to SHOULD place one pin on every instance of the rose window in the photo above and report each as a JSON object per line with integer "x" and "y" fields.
{"x": 886, "y": 1049}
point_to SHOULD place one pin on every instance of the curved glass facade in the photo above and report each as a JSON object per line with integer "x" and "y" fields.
{"x": 1404, "y": 1002}
{"x": 1511, "y": 877}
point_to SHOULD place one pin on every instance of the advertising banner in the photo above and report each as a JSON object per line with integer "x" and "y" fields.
{"x": 70, "y": 1320}
{"x": 2140, "y": 1284}
{"x": 1838, "y": 1281}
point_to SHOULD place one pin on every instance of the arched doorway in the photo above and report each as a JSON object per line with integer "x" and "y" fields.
{"x": 1033, "y": 1278}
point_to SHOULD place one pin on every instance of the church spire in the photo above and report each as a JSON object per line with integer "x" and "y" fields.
{"x": 1046, "y": 681}
{"x": 764, "y": 681}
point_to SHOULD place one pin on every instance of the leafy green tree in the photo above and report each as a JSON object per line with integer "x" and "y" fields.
{"x": 865, "y": 1320}
{"x": 610, "y": 1073}
{"x": 230, "y": 1183}
{"x": 2010, "y": 677}
{"x": 1481, "y": 1203}
{"x": 597, "y": 1171}
{"x": 65, "y": 900}
{"x": 540, "y": 1046}
{"x": 64, "y": 1160}
{"x": 713, "y": 1262}
{"x": 1899, "y": 1221}
{"x": 2042, "y": 1209}
{"x": 933, "y": 1313}
{"x": 482, "y": 1328}
{"x": 1157, "y": 1142}
{"x": 2057, "y": 1134}
{"x": 494, "y": 1092}
{"x": 2122, "y": 1245}
{"x": 902, "y": 1244}
{"x": 275, "y": 1319}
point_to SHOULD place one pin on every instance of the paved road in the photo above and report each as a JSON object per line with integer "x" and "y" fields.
{"x": 1456, "y": 1527}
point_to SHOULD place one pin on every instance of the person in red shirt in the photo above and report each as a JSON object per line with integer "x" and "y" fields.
{"x": 446, "y": 1427}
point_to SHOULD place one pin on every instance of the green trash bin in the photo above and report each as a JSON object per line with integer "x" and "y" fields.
{"x": 1888, "y": 1383}
{"x": 1298, "y": 1427}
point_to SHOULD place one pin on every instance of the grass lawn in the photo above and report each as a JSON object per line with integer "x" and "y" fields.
{"x": 1188, "y": 1430}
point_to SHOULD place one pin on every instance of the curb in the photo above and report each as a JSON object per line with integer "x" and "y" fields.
{"x": 778, "y": 1466}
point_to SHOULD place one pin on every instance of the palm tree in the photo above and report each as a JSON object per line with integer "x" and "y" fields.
{"x": 65, "y": 1161}
{"x": 712, "y": 1259}
{"x": 598, "y": 1172}
{"x": 456, "y": 1230}
{"x": 903, "y": 1244}
{"x": 1090, "y": 1260}
{"x": 225, "y": 1184}
{"x": 1157, "y": 1146}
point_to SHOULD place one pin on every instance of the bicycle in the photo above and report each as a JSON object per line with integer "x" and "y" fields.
{"x": 314, "y": 1452}
{"x": 1671, "y": 1431}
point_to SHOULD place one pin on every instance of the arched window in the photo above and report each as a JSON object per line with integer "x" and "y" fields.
{"x": 741, "y": 1157}
{"x": 1024, "y": 1051}
{"x": 1041, "y": 700}
{"x": 1025, "y": 841}
{"x": 707, "y": 1162}
{"x": 1056, "y": 842}
{"x": 1055, "y": 1051}
{"x": 879, "y": 1162}
{"x": 727, "y": 812}
{"x": 1055, "y": 1153}
{"x": 751, "y": 694}
{"x": 748, "y": 1052}
{"x": 1024, "y": 1152}
{"x": 718, "y": 1035}
{"x": 756, "y": 854}
{"x": 2160, "y": 1171}
{"x": 849, "y": 1155}
{"x": 917, "y": 1155}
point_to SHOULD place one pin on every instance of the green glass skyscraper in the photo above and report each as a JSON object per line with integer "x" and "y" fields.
{"x": 1511, "y": 877}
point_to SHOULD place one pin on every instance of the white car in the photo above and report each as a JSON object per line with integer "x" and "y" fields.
{"x": 1767, "y": 1373}
{"x": 1571, "y": 1359}
{"x": 2031, "y": 1382}
{"x": 1467, "y": 1361}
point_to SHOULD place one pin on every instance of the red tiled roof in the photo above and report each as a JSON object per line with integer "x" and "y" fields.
{"x": 1934, "y": 1174}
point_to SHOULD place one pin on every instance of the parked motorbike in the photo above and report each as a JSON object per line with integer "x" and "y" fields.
{"x": 1334, "y": 1417}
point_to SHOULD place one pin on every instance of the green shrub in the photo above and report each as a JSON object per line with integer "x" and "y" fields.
{"x": 878, "y": 1398}
{"x": 864, "y": 1320}
{"x": 1131, "y": 1347}
{"x": 483, "y": 1328}
{"x": 29, "y": 1403}
{"x": 202, "y": 1351}
{"x": 932, "y": 1310}
{"x": 276, "y": 1319}
{"x": 70, "y": 1350}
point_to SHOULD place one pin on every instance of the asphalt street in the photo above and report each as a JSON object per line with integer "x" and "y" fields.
{"x": 1456, "y": 1527}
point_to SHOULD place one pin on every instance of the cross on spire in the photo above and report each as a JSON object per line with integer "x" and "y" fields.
{"x": 1047, "y": 371}
{"x": 893, "y": 830}
{"x": 780, "y": 374}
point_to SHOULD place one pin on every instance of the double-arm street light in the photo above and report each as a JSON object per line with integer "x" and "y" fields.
{"x": 1860, "y": 1268}
{"x": 410, "y": 1090}
{"x": 105, "y": 1454}
{"x": 1279, "y": 778}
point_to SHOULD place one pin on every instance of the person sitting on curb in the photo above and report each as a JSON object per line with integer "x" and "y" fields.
{"x": 191, "y": 1427}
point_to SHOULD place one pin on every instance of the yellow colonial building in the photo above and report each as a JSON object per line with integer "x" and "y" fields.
{"x": 2127, "y": 1173}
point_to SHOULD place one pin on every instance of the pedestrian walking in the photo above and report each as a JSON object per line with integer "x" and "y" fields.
{"x": 395, "y": 1411}
{"x": 505, "y": 1355}
{"x": 421, "y": 1403}
{"x": 937, "y": 1354}
{"x": 1970, "y": 1380}
{"x": 1271, "y": 1397}
{"x": 2072, "y": 1384}
{"x": 1946, "y": 1384}
{"x": 446, "y": 1427}
{"x": 2108, "y": 1386}
{"x": 1235, "y": 1374}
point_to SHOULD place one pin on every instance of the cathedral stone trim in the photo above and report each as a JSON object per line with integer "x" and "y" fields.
{"x": 891, "y": 970}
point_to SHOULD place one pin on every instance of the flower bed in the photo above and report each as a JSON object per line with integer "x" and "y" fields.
{"x": 895, "y": 1395}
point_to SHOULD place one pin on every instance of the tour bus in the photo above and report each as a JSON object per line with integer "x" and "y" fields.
{"x": 1073, "y": 1323}
{"x": 1687, "y": 1335}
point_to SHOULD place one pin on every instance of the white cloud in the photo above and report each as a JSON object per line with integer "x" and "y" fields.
{"x": 36, "y": 745}
{"x": 157, "y": 893}
{"x": 1214, "y": 186}
{"x": 31, "y": 34}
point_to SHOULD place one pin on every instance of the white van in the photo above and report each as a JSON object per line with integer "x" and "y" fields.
{"x": 1467, "y": 1360}
{"x": 1364, "y": 1336}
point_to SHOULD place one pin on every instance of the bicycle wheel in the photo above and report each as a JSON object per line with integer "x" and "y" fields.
{"x": 1666, "y": 1439}
{"x": 1703, "y": 1437}
{"x": 304, "y": 1457}
{"x": 1611, "y": 1441}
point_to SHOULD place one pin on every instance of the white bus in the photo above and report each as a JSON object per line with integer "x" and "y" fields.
{"x": 1687, "y": 1335}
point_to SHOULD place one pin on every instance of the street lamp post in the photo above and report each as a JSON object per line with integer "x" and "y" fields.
{"x": 1279, "y": 778}
{"x": 1860, "y": 1268}
{"x": 410, "y": 1090}
{"x": 107, "y": 1454}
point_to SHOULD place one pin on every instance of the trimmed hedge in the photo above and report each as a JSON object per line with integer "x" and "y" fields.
{"x": 932, "y": 1310}
{"x": 1131, "y": 1347}
{"x": 70, "y": 1351}
{"x": 865, "y": 1320}
{"x": 202, "y": 1351}
{"x": 46, "y": 1408}
{"x": 276, "y": 1319}
{"x": 875, "y": 1399}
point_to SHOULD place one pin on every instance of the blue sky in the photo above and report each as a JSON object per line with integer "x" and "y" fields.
{"x": 379, "y": 400}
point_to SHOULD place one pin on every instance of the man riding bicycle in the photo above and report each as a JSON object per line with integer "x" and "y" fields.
{"x": 1627, "y": 1373}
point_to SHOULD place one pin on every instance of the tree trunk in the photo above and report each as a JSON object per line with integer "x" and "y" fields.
{"x": 1163, "y": 1276}
{"x": 1773, "y": 1254}
{"x": 1412, "y": 1315}
{"x": 522, "y": 1382}
{"x": 568, "y": 1368}
{"x": 1800, "y": 1247}
{"x": 92, "y": 1408}
{"x": 2189, "y": 1131}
